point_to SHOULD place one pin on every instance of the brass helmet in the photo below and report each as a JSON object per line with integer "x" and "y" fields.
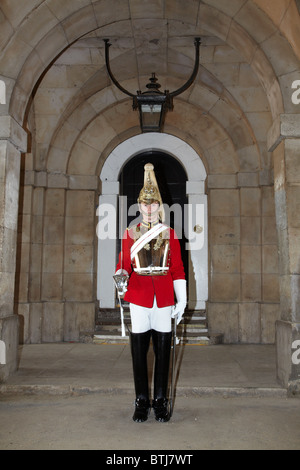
{"x": 150, "y": 191}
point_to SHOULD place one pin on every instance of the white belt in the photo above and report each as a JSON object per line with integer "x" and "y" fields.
{"x": 151, "y": 270}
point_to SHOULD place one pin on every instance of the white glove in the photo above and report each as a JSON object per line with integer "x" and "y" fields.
{"x": 180, "y": 292}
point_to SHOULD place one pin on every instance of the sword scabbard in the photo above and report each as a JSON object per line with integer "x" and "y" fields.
{"x": 172, "y": 389}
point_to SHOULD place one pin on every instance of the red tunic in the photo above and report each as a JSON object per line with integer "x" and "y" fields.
{"x": 142, "y": 289}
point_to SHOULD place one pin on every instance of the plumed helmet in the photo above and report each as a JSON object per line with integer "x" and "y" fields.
{"x": 150, "y": 191}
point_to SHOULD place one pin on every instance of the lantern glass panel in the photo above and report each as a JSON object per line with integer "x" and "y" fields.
{"x": 151, "y": 115}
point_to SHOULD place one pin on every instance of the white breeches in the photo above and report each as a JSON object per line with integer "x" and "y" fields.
{"x": 144, "y": 319}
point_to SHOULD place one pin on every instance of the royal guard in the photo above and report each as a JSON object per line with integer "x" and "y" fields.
{"x": 150, "y": 261}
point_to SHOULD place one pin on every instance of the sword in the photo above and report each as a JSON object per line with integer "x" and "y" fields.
{"x": 172, "y": 389}
{"x": 121, "y": 285}
{"x": 121, "y": 279}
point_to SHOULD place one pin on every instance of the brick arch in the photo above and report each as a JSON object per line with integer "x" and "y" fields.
{"x": 88, "y": 103}
{"x": 98, "y": 135}
{"x": 40, "y": 47}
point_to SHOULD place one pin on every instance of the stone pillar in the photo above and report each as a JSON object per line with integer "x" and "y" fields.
{"x": 284, "y": 141}
{"x": 13, "y": 140}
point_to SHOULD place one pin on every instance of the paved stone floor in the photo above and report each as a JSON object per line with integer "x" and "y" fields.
{"x": 80, "y": 396}
{"x": 104, "y": 422}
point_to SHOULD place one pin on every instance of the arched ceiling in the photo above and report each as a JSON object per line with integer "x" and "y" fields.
{"x": 54, "y": 51}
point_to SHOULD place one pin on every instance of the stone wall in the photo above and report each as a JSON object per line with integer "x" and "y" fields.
{"x": 56, "y": 281}
{"x": 13, "y": 140}
{"x": 244, "y": 287}
{"x": 58, "y": 259}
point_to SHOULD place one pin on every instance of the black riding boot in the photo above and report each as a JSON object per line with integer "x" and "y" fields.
{"x": 162, "y": 348}
{"x": 139, "y": 349}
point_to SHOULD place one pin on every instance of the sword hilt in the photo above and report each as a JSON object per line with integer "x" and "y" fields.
{"x": 121, "y": 281}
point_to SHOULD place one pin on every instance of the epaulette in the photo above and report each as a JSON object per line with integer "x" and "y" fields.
{"x": 135, "y": 231}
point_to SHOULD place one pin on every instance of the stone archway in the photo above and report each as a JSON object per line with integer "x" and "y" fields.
{"x": 197, "y": 199}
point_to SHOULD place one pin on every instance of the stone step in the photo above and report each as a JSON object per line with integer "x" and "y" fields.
{"x": 114, "y": 313}
{"x": 110, "y": 338}
{"x": 192, "y": 326}
{"x": 192, "y": 330}
{"x": 114, "y": 337}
